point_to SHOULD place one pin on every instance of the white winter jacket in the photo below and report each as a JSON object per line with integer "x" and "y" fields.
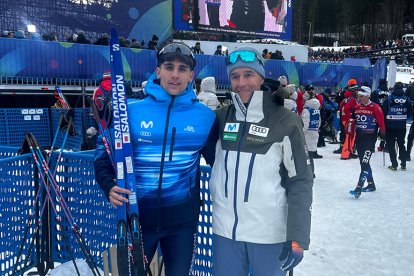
{"x": 261, "y": 181}
{"x": 207, "y": 96}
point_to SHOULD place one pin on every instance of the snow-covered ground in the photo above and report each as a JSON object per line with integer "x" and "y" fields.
{"x": 371, "y": 235}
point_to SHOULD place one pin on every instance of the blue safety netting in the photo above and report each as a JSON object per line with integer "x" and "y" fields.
{"x": 15, "y": 122}
{"x": 17, "y": 197}
{"x": 88, "y": 207}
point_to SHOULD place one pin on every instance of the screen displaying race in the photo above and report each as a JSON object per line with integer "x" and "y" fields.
{"x": 268, "y": 18}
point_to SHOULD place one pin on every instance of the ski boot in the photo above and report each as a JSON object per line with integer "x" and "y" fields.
{"x": 392, "y": 168}
{"x": 369, "y": 188}
{"x": 357, "y": 192}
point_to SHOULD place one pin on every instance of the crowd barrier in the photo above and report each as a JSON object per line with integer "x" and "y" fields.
{"x": 17, "y": 195}
{"x": 87, "y": 204}
{"x": 43, "y": 123}
{"x": 61, "y": 60}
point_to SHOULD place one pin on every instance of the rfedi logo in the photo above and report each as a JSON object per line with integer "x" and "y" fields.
{"x": 144, "y": 124}
{"x": 189, "y": 129}
{"x": 258, "y": 130}
{"x": 231, "y": 127}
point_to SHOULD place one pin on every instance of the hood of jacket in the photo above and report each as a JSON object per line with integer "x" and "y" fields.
{"x": 208, "y": 85}
{"x": 313, "y": 103}
{"x": 398, "y": 92}
{"x": 154, "y": 89}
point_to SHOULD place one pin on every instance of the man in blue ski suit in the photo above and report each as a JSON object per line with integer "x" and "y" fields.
{"x": 169, "y": 129}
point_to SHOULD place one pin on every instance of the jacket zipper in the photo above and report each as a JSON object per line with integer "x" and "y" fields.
{"x": 164, "y": 145}
{"x": 174, "y": 130}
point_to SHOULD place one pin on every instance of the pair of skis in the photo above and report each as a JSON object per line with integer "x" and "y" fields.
{"x": 48, "y": 177}
{"x": 119, "y": 149}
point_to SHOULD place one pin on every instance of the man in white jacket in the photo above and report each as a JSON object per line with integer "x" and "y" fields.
{"x": 261, "y": 181}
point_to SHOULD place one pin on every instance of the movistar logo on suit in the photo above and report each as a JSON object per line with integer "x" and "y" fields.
{"x": 144, "y": 124}
{"x": 231, "y": 127}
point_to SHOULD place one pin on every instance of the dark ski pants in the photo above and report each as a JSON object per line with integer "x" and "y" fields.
{"x": 365, "y": 145}
{"x": 237, "y": 258}
{"x": 399, "y": 136}
{"x": 342, "y": 134}
{"x": 177, "y": 247}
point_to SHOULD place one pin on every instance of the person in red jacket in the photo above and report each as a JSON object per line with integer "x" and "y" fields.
{"x": 342, "y": 99}
{"x": 369, "y": 118}
{"x": 301, "y": 99}
{"x": 347, "y": 120}
{"x": 102, "y": 96}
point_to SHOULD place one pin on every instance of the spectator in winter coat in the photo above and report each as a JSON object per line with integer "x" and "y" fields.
{"x": 197, "y": 48}
{"x": 341, "y": 99}
{"x": 378, "y": 95}
{"x": 207, "y": 96}
{"x": 218, "y": 51}
{"x": 261, "y": 217}
{"x": 396, "y": 109}
{"x": 300, "y": 101}
{"x": 166, "y": 152}
{"x": 347, "y": 115}
{"x": 102, "y": 40}
{"x": 290, "y": 100}
{"x": 81, "y": 39}
{"x": 311, "y": 122}
{"x": 283, "y": 81}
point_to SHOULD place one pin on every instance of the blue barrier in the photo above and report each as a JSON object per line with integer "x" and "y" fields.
{"x": 15, "y": 122}
{"x": 60, "y": 60}
{"x": 88, "y": 206}
{"x": 17, "y": 194}
{"x": 6, "y": 151}
{"x": 82, "y": 120}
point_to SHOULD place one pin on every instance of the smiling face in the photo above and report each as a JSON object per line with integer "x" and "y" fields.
{"x": 245, "y": 81}
{"x": 174, "y": 76}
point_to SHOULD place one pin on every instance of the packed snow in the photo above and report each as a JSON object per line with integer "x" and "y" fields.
{"x": 371, "y": 235}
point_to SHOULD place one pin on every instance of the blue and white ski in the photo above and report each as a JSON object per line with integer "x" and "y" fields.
{"x": 125, "y": 178}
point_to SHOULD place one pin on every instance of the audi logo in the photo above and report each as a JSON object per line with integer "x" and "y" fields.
{"x": 400, "y": 101}
{"x": 259, "y": 129}
{"x": 145, "y": 133}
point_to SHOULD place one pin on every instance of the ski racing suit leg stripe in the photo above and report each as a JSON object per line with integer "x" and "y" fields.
{"x": 365, "y": 144}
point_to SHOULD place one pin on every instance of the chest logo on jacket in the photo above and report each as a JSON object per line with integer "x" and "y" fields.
{"x": 144, "y": 124}
{"x": 258, "y": 130}
{"x": 231, "y": 127}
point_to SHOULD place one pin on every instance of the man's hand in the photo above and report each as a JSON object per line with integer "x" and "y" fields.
{"x": 294, "y": 254}
{"x": 115, "y": 196}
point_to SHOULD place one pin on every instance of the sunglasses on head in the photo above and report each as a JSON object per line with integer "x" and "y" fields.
{"x": 246, "y": 56}
{"x": 176, "y": 48}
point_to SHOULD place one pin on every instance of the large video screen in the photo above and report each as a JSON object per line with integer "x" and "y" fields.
{"x": 184, "y": 15}
{"x": 260, "y": 18}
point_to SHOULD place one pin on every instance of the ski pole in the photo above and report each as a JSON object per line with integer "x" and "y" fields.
{"x": 49, "y": 197}
{"x": 66, "y": 210}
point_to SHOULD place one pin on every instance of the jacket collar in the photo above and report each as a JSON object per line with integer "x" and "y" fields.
{"x": 160, "y": 95}
{"x": 252, "y": 114}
